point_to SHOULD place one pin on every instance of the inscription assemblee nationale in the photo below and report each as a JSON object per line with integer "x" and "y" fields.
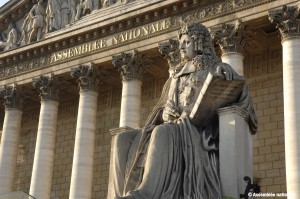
{"x": 112, "y": 40}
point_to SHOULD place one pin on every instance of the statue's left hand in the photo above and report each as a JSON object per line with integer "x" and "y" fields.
{"x": 224, "y": 70}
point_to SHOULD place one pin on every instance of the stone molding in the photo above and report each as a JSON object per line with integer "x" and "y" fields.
{"x": 13, "y": 64}
{"x": 287, "y": 21}
{"x": 88, "y": 76}
{"x": 231, "y": 37}
{"x": 14, "y": 96}
{"x": 131, "y": 65}
{"x": 234, "y": 109}
{"x": 49, "y": 86}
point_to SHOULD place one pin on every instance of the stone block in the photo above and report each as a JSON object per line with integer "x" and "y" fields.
{"x": 235, "y": 151}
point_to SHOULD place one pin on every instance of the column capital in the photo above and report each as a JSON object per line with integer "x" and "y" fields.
{"x": 88, "y": 76}
{"x": 14, "y": 96}
{"x": 49, "y": 86}
{"x": 287, "y": 21}
{"x": 231, "y": 37}
{"x": 131, "y": 65}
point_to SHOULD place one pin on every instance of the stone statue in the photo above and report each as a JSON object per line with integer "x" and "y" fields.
{"x": 73, "y": 4}
{"x": 105, "y": 3}
{"x": 12, "y": 38}
{"x": 65, "y": 12}
{"x": 85, "y": 7}
{"x": 173, "y": 156}
{"x": 26, "y": 29}
{"x": 38, "y": 13}
{"x": 53, "y": 19}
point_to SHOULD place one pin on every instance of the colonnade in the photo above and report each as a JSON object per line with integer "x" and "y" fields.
{"x": 50, "y": 87}
{"x": 88, "y": 77}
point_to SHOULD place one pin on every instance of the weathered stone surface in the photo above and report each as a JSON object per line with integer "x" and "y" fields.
{"x": 49, "y": 87}
{"x": 287, "y": 21}
{"x": 131, "y": 65}
{"x": 88, "y": 76}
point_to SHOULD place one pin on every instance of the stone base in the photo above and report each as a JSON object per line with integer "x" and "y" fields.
{"x": 235, "y": 151}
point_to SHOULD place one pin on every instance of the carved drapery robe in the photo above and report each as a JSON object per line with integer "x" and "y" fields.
{"x": 173, "y": 160}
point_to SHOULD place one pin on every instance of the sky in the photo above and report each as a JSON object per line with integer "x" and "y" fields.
{"x": 2, "y": 2}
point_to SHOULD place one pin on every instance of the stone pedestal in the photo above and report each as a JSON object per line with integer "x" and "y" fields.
{"x": 235, "y": 60}
{"x": 9, "y": 149}
{"x": 131, "y": 103}
{"x": 235, "y": 151}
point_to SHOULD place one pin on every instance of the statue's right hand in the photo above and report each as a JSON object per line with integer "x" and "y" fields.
{"x": 170, "y": 113}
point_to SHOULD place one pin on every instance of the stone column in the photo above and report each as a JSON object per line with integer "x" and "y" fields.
{"x": 132, "y": 67}
{"x": 49, "y": 88}
{"x": 88, "y": 78}
{"x": 14, "y": 101}
{"x": 288, "y": 23}
{"x": 232, "y": 40}
{"x": 235, "y": 151}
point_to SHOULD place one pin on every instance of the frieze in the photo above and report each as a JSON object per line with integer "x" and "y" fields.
{"x": 110, "y": 41}
{"x": 149, "y": 30}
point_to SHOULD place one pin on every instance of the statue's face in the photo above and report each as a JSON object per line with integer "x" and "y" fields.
{"x": 187, "y": 50}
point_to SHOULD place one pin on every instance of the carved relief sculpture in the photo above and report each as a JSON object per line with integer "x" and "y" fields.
{"x": 53, "y": 19}
{"x": 72, "y": 7}
{"x": 38, "y": 22}
{"x": 12, "y": 38}
{"x": 175, "y": 155}
{"x": 65, "y": 12}
{"x": 26, "y": 29}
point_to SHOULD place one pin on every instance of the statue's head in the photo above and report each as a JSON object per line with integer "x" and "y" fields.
{"x": 196, "y": 37}
{"x": 200, "y": 37}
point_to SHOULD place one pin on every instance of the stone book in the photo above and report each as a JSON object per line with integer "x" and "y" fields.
{"x": 215, "y": 93}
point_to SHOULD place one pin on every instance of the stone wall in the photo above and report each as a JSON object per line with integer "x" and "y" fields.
{"x": 268, "y": 143}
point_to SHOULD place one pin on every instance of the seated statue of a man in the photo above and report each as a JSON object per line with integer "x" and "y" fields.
{"x": 173, "y": 156}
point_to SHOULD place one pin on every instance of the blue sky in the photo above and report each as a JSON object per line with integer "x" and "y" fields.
{"x": 2, "y": 2}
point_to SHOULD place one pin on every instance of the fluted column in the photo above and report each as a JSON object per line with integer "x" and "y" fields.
{"x": 132, "y": 66}
{"x": 88, "y": 77}
{"x": 14, "y": 101}
{"x": 288, "y": 23}
{"x": 49, "y": 88}
{"x": 232, "y": 40}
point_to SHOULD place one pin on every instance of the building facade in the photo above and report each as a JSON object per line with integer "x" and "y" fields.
{"x": 72, "y": 74}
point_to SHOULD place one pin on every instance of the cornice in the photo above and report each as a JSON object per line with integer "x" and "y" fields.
{"x": 36, "y": 55}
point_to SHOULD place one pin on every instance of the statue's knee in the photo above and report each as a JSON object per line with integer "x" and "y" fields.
{"x": 160, "y": 131}
{"x": 125, "y": 137}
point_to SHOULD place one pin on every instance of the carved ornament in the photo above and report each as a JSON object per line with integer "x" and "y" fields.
{"x": 231, "y": 38}
{"x": 14, "y": 96}
{"x": 131, "y": 65}
{"x": 49, "y": 87}
{"x": 88, "y": 76}
{"x": 200, "y": 14}
{"x": 287, "y": 20}
{"x": 170, "y": 51}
